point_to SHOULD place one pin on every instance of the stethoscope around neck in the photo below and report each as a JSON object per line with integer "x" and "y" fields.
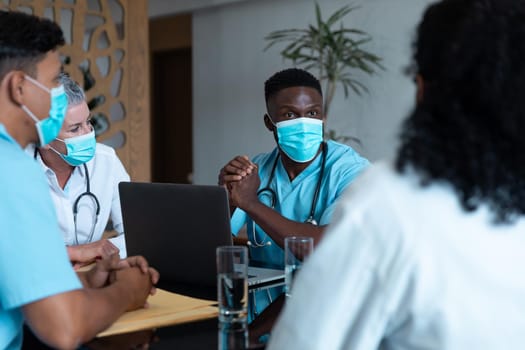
{"x": 268, "y": 191}
{"x": 87, "y": 193}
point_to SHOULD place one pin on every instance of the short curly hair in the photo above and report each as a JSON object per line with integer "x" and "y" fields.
{"x": 469, "y": 128}
{"x": 290, "y": 77}
{"x": 24, "y": 41}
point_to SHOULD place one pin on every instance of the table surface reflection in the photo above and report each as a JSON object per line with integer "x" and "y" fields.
{"x": 192, "y": 336}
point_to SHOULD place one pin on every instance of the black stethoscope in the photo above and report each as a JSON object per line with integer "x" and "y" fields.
{"x": 87, "y": 193}
{"x": 269, "y": 192}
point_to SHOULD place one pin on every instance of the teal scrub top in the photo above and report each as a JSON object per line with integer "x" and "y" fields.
{"x": 294, "y": 198}
{"x": 33, "y": 259}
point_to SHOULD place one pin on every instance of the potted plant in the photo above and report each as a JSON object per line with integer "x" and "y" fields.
{"x": 334, "y": 51}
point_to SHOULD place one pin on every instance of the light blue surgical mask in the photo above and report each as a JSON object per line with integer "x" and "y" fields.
{"x": 80, "y": 149}
{"x": 49, "y": 127}
{"x": 300, "y": 138}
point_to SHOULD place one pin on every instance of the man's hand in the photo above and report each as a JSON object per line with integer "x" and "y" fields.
{"x": 142, "y": 264}
{"x": 244, "y": 192}
{"x": 137, "y": 283}
{"x": 236, "y": 169}
{"x": 87, "y": 253}
{"x": 104, "y": 272}
{"x": 99, "y": 276}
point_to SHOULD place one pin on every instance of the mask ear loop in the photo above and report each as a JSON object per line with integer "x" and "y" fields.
{"x": 62, "y": 157}
{"x": 274, "y": 131}
{"x": 54, "y": 150}
{"x": 37, "y": 83}
{"x": 279, "y": 147}
{"x": 271, "y": 120}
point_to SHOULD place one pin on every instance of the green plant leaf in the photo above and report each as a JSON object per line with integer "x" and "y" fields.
{"x": 357, "y": 86}
{"x": 336, "y": 53}
{"x": 339, "y": 14}
{"x": 350, "y": 31}
{"x": 318, "y": 16}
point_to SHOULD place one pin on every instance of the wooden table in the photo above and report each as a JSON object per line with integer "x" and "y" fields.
{"x": 165, "y": 309}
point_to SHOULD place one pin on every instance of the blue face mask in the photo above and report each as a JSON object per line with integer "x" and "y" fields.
{"x": 300, "y": 138}
{"x": 80, "y": 149}
{"x": 49, "y": 127}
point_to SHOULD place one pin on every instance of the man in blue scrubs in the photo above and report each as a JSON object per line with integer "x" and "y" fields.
{"x": 37, "y": 282}
{"x": 292, "y": 190}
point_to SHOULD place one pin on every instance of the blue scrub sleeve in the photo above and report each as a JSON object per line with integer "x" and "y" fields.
{"x": 326, "y": 218}
{"x": 238, "y": 220}
{"x": 33, "y": 259}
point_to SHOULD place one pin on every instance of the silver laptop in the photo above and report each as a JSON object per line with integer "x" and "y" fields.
{"x": 177, "y": 228}
{"x": 257, "y": 276}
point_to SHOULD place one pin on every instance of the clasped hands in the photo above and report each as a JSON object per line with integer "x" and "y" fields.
{"x": 134, "y": 271}
{"x": 241, "y": 179}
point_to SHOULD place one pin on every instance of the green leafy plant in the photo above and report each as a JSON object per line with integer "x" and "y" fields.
{"x": 335, "y": 51}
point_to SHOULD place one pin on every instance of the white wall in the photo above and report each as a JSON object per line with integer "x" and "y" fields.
{"x": 230, "y": 67}
{"x": 160, "y": 8}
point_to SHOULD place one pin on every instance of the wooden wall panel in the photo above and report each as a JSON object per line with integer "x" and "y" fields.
{"x": 138, "y": 94}
{"x": 107, "y": 52}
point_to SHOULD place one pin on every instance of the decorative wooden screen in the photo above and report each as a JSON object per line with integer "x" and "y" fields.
{"x": 107, "y": 53}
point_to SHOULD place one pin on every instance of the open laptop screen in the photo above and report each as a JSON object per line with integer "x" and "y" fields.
{"x": 177, "y": 228}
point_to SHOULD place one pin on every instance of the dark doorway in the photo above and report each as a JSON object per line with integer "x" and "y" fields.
{"x": 172, "y": 116}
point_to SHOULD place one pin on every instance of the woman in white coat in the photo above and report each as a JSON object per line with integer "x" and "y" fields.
{"x": 83, "y": 178}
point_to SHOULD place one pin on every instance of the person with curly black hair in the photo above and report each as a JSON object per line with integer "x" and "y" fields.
{"x": 37, "y": 283}
{"x": 426, "y": 253}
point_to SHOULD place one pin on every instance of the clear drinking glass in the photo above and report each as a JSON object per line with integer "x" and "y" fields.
{"x": 296, "y": 250}
{"x": 232, "y": 295}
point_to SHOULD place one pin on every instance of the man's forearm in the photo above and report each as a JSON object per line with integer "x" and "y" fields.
{"x": 111, "y": 302}
{"x": 73, "y": 253}
{"x": 83, "y": 277}
{"x": 278, "y": 227}
{"x": 69, "y": 319}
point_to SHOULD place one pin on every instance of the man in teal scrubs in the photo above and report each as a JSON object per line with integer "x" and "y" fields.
{"x": 37, "y": 282}
{"x": 292, "y": 190}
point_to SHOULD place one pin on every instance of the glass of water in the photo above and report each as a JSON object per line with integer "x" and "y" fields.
{"x": 296, "y": 250}
{"x": 232, "y": 295}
